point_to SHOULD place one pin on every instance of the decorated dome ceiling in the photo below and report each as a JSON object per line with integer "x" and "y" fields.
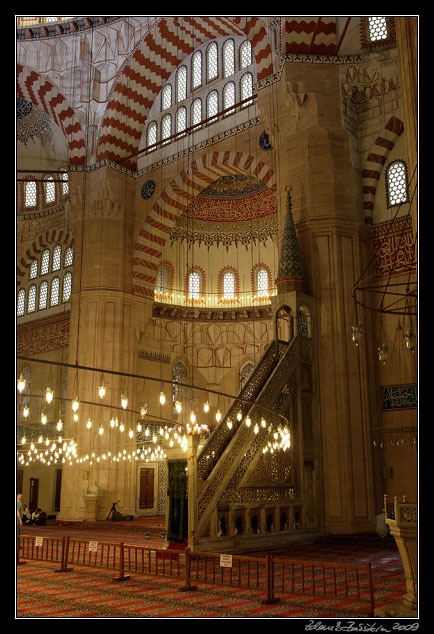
{"x": 235, "y": 209}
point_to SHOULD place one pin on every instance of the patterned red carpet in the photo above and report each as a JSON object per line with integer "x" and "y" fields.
{"x": 89, "y": 593}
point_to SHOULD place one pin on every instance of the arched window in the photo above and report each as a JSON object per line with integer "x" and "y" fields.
{"x": 228, "y": 58}
{"x": 181, "y": 84}
{"x": 194, "y": 285}
{"x": 69, "y": 257}
{"x": 50, "y": 190}
{"x": 245, "y": 54}
{"x": 33, "y": 270}
{"x": 21, "y": 302}
{"x": 229, "y": 285}
{"x": 55, "y": 291}
{"x": 211, "y": 62}
{"x": 43, "y": 295}
{"x": 396, "y": 183}
{"x": 181, "y": 119}
{"x": 166, "y": 128}
{"x": 57, "y": 258}
{"x": 196, "y": 111}
{"x": 262, "y": 282}
{"x": 377, "y": 28}
{"x": 229, "y": 97}
{"x": 212, "y": 106}
{"x": 246, "y": 88}
{"x": 30, "y": 194}
{"x": 196, "y": 70}
{"x": 31, "y": 299}
{"x": 166, "y": 97}
{"x": 151, "y": 136}
{"x": 67, "y": 286}
{"x": 45, "y": 262}
{"x": 163, "y": 277}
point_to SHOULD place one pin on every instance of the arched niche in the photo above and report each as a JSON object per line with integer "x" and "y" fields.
{"x": 284, "y": 324}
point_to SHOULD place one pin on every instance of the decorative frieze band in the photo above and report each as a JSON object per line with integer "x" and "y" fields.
{"x": 43, "y": 335}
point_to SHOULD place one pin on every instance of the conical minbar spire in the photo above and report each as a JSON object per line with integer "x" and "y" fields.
{"x": 290, "y": 276}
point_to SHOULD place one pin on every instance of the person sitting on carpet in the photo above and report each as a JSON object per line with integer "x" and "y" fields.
{"x": 27, "y": 516}
{"x": 39, "y": 517}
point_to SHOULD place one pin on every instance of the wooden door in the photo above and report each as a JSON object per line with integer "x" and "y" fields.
{"x": 33, "y": 495}
{"x": 146, "y": 489}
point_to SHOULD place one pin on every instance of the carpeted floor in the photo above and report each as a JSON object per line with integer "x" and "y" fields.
{"x": 89, "y": 593}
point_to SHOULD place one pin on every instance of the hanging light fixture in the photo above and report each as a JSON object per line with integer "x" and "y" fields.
{"x": 178, "y": 406}
{"x": 102, "y": 387}
{"x": 21, "y": 384}
{"x": 218, "y": 416}
{"x": 25, "y": 411}
{"x": 248, "y": 421}
{"x": 192, "y": 417}
{"x": 206, "y": 407}
{"x": 49, "y": 394}
{"x": 59, "y": 425}
{"x": 409, "y": 339}
{"x": 383, "y": 352}
{"x": 162, "y": 398}
{"x": 356, "y": 334}
{"x": 75, "y": 404}
{"x": 89, "y": 423}
{"x": 124, "y": 401}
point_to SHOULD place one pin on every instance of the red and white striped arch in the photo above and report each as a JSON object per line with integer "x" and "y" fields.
{"x": 37, "y": 89}
{"x": 53, "y": 236}
{"x": 175, "y": 200}
{"x": 152, "y": 63}
{"x": 375, "y": 161}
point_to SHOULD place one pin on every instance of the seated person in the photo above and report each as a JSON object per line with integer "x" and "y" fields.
{"x": 27, "y": 516}
{"x": 39, "y": 517}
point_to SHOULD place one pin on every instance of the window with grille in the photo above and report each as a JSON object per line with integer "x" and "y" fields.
{"x": 245, "y": 54}
{"x": 152, "y": 135}
{"x": 228, "y": 58}
{"x": 181, "y": 119}
{"x": 229, "y": 285}
{"x": 65, "y": 184}
{"x": 21, "y": 302}
{"x": 396, "y": 183}
{"x": 196, "y": 70}
{"x": 212, "y": 105}
{"x": 166, "y": 128}
{"x": 30, "y": 194}
{"x": 33, "y": 270}
{"x": 247, "y": 89}
{"x": 45, "y": 262}
{"x": 50, "y": 190}
{"x": 69, "y": 257}
{"x": 57, "y": 258}
{"x": 31, "y": 300}
{"x": 194, "y": 285}
{"x": 166, "y": 97}
{"x": 43, "y": 295}
{"x": 67, "y": 287}
{"x": 181, "y": 84}
{"x": 196, "y": 111}
{"x": 229, "y": 97}
{"x": 55, "y": 291}
{"x": 212, "y": 62}
{"x": 377, "y": 28}
{"x": 262, "y": 283}
{"x": 163, "y": 279}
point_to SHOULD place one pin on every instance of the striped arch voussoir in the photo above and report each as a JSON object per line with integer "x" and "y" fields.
{"x": 55, "y": 236}
{"x": 39, "y": 91}
{"x": 375, "y": 161}
{"x": 175, "y": 200}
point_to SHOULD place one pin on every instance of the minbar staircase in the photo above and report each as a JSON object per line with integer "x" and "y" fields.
{"x": 242, "y": 493}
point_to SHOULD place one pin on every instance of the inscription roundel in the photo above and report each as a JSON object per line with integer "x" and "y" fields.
{"x": 148, "y": 189}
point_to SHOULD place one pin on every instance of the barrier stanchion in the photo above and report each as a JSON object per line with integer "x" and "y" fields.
{"x": 19, "y": 563}
{"x": 64, "y": 556}
{"x": 188, "y": 587}
{"x": 270, "y": 583}
{"x": 122, "y": 575}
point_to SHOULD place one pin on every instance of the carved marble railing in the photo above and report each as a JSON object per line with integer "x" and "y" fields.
{"x": 241, "y": 447}
{"x": 222, "y": 434}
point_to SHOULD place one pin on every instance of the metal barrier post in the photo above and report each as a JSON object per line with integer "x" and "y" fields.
{"x": 64, "y": 556}
{"x": 188, "y": 587}
{"x": 122, "y": 576}
{"x": 269, "y": 569}
{"x": 371, "y": 591}
{"x": 19, "y": 563}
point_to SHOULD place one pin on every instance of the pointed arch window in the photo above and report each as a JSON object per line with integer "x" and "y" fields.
{"x": 212, "y": 62}
{"x": 67, "y": 287}
{"x": 151, "y": 136}
{"x": 69, "y": 257}
{"x": 55, "y": 292}
{"x": 262, "y": 282}
{"x": 246, "y": 88}
{"x": 194, "y": 285}
{"x": 43, "y": 295}
{"x": 45, "y": 262}
{"x": 181, "y": 84}
{"x": 228, "y": 58}
{"x": 166, "y": 97}
{"x": 21, "y": 302}
{"x": 396, "y": 183}
{"x": 57, "y": 258}
{"x": 212, "y": 103}
{"x": 196, "y": 70}
{"x": 229, "y": 285}
{"x": 245, "y": 54}
{"x": 33, "y": 273}
{"x": 229, "y": 97}
{"x": 31, "y": 299}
